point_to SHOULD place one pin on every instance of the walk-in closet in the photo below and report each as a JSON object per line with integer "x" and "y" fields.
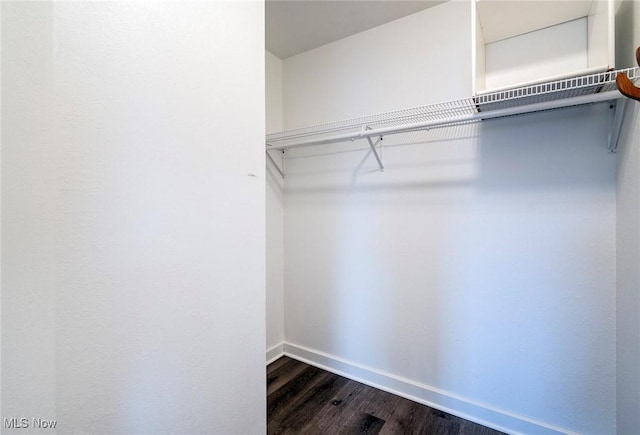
{"x": 452, "y": 213}
{"x": 320, "y": 217}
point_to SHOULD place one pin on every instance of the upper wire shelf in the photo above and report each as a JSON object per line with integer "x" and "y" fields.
{"x": 574, "y": 91}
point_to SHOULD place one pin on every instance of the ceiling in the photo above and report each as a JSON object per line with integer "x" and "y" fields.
{"x": 295, "y": 26}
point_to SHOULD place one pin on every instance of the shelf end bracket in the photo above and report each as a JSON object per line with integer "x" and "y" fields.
{"x": 280, "y": 171}
{"x": 374, "y": 151}
{"x": 620, "y": 108}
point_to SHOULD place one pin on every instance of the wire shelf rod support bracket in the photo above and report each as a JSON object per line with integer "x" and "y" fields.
{"x": 273, "y": 162}
{"x": 373, "y": 149}
{"x": 620, "y": 108}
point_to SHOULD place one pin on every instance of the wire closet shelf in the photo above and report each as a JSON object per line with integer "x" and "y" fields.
{"x": 587, "y": 89}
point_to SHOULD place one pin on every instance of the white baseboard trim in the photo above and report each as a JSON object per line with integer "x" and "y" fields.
{"x": 481, "y": 413}
{"x": 275, "y": 352}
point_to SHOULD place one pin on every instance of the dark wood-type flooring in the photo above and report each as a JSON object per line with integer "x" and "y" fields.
{"x": 302, "y": 399}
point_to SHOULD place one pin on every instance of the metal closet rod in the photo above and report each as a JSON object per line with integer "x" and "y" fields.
{"x": 498, "y": 113}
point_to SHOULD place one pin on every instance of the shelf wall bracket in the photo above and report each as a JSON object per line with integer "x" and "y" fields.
{"x": 273, "y": 162}
{"x": 620, "y": 108}
{"x": 373, "y": 149}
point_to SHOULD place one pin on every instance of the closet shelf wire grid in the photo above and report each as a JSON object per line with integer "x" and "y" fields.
{"x": 543, "y": 96}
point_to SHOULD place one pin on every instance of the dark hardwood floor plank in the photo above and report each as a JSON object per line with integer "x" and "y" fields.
{"x": 361, "y": 423}
{"x": 341, "y": 409}
{"x": 407, "y": 417}
{"x": 303, "y": 399}
{"x": 471, "y": 428}
{"x": 279, "y": 375}
{"x": 302, "y": 420}
{"x": 285, "y": 399}
{"x": 281, "y": 362}
{"x": 377, "y": 402}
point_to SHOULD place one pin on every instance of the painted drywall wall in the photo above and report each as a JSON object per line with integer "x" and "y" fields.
{"x": 628, "y": 237}
{"x": 274, "y": 211}
{"x": 132, "y": 231}
{"x": 273, "y": 92}
{"x": 361, "y": 68}
{"x": 477, "y": 272}
{"x": 628, "y": 275}
{"x": 627, "y": 32}
{"x": 551, "y": 52}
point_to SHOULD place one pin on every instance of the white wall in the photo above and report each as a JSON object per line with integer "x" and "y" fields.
{"x": 628, "y": 239}
{"x": 406, "y": 53}
{"x": 273, "y": 92}
{"x": 551, "y": 52}
{"x": 628, "y": 275}
{"x": 133, "y": 237}
{"x": 627, "y": 32}
{"x": 275, "y": 237}
{"x": 477, "y": 272}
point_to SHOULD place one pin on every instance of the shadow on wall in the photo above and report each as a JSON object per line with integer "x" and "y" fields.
{"x": 481, "y": 261}
{"x": 536, "y": 262}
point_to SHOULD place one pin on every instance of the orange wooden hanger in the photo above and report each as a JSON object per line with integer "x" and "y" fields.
{"x": 626, "y": 86}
